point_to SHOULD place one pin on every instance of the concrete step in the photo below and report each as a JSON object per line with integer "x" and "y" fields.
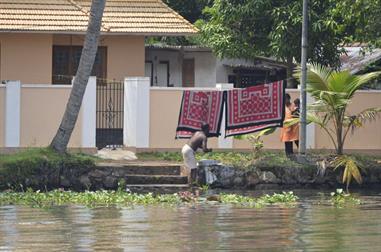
{"x": 156, "y": 188}
{"x": 141, "y": 169}
{"x": 156, "y": 179}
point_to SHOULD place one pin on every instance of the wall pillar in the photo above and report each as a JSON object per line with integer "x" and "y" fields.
{"x": 224, "y": 143}
{"x": 311, "y": 128}
{"x": 136, "y": 112}
{"x": 12, "y": 113}
{"x": 89, "y": 111}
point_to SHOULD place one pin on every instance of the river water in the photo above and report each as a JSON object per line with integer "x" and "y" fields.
{"x": 307, "y": 227}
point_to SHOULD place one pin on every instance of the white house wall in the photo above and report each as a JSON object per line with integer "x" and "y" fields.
{"x": 205, "y": 68}
{"x": 222, "y": 72}
{"x": 174, "y": 60}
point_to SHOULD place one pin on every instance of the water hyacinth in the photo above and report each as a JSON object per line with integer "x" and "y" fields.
{"x": 87, "y": 198}
{"x": 341, "y": 199}
{"x": 123, "y": 198}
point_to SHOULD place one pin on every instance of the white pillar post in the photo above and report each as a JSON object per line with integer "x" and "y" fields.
{"x": 310, "y": 139}
{"x": 12, "y": 113}
{"x": 224, "y": 143}
{"x": 136, "y": 112}
{"x": 89, "y": 111}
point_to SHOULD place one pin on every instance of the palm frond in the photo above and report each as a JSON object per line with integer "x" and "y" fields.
{"x": 358, "y": 81}
{"x": 351, "y": 169}
{"x": 317, "y": 77}
{"x": 337, "y": 81}
{"x": 367, "y": 115}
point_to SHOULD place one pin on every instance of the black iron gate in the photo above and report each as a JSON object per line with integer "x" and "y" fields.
{"x": 110, "y": 103}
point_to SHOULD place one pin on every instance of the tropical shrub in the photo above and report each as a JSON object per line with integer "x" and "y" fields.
{"x": 333, "y": 91}
{"x": 256, "y": 142}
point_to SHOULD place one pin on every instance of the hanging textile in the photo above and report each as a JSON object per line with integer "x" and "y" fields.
{"x": 198, "y": 107}
{"x": 254, "y": 108}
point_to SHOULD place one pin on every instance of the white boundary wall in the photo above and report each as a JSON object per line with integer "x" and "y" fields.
{"x": 13, "y": 112}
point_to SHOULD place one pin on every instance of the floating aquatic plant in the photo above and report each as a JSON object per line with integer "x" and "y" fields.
{"x": 341, "y": 199}
{"x": 124, "y": 198}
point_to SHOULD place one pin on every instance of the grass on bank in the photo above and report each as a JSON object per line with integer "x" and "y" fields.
{"x": 16, "y": 167}
{"x": 266, "y": 159}
{"x": 237, "y": 159}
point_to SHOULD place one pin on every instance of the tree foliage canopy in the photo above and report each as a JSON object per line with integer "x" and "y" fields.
{"x": 248, "y": 28}
{"x": 191, "y": 10}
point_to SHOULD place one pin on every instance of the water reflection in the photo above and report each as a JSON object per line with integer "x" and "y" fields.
{"x": 307, "y": 227}
{"x": 8, "y": 231}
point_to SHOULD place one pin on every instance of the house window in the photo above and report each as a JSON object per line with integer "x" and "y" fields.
{"x": 66, "y": 61}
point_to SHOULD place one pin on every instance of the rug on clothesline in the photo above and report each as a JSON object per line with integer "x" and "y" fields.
{"x": 198, "y": 107}
{"x": 254, "y": 108}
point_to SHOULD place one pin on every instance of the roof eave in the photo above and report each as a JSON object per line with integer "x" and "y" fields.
{"x": 169, "y": 34}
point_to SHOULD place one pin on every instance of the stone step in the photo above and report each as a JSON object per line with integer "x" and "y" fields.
{"x": 158, "y": 188}
{"x": 156, "y": 179}
{"x": 143, "y": 169}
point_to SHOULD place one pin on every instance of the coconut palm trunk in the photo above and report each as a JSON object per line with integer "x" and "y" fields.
{"x": 62, "y": 137}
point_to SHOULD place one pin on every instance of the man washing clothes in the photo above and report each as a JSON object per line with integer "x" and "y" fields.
{"x": 198, "y": 140}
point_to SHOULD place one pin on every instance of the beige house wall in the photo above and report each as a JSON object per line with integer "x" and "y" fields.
{"x": 367, "y": 138}
{"x": 164, "y": 115}
{"x": 2, "y": 115}
{"x": 125, "y": 54}
{"x": 42, "y": 109}
{"x": 26, "y": 57}
{"x": 165, "y": 104}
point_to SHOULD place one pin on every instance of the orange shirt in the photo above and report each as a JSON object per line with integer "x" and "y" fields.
{"x": 289, "y": 134}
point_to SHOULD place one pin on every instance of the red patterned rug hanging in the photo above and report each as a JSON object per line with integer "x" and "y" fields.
{"x": 198, "y": 107}
{"x": 254, "y": 108}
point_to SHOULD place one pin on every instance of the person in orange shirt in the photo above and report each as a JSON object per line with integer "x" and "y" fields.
{"x": 289, "y": 134}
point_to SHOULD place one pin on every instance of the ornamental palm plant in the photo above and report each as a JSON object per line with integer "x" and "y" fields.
{"x": 333, "y": 91}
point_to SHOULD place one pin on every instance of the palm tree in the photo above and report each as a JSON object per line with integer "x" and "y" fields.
{"x": 62, "y": 137}
{"x": 333, "y": 91}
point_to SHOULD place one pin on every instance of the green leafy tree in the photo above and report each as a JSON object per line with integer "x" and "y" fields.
{"x": 365, "y": 19}
{"x": 191, "y": 10}
{"x": 249, "y": 28}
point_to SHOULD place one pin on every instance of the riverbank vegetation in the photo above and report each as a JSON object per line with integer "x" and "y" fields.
{"x": 18, "y": 167}
{"x": 244, "y": 160}
{"x": 241, "y": 160}
{"x": 123, "y": 198}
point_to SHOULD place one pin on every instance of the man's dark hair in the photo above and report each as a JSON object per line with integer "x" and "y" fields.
{"x": 297, "y": 102}
{"x": 205, "y": 127}
{"x": 287, "y": 99}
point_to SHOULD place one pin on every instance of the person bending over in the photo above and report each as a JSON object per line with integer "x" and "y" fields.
{"x": 198, "y": 140}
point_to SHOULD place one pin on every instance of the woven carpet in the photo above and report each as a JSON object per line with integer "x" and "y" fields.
{"x": 198, "y": 107}
{"x": 254, "y": 108}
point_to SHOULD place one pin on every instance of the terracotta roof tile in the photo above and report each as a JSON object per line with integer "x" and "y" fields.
{"x": 146, "y": 17}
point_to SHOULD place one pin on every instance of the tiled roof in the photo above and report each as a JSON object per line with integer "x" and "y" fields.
{"x": 146, "y": 17}
{"x": 354, "y": 60}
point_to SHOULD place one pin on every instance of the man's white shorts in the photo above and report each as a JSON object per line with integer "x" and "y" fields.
{"x": 189, "y": 157}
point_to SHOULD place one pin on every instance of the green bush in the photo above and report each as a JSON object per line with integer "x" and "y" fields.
{"x": 16, "y": 168}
